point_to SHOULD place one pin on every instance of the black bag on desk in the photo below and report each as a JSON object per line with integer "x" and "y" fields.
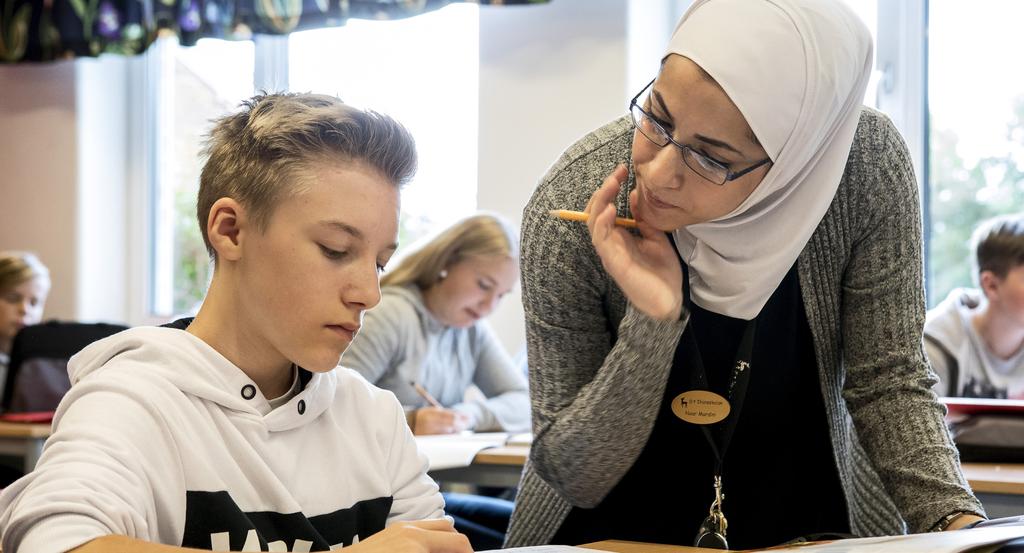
{"x": 37, "y": 377}
{"x": 990, "y": 438}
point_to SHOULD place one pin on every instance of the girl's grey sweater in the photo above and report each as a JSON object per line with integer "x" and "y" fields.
{"x": 598, "y": 367}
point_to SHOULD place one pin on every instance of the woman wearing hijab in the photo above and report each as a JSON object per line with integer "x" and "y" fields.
{"x": 750, "y": 356}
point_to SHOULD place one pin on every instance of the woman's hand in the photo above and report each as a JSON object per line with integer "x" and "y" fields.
{"x": 423, "y": 536}
{"x": 645, "y": 267}
{"x": 438, "y": 420}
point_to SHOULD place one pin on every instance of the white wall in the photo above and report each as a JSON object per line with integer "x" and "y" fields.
{"x": 102, "y": 86}
{"x": 548, "y": 75}
{"x": 38, "y": 173}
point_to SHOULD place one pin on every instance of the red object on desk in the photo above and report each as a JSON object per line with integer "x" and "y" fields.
{"x": 31, "y": 417}
{"x": 979, "y": 406}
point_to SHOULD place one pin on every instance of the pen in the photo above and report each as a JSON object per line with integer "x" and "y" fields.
{"x": 425, "y": 394}
{"x": 582, "y": 217}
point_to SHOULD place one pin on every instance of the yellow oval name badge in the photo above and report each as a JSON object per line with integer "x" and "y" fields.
{"x": 700, "y": 407}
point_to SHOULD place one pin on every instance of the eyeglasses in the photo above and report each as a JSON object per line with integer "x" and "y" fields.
{"x": 698, "y": 162}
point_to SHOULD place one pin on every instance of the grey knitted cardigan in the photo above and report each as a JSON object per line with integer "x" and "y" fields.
{"x": 598, "y": 367}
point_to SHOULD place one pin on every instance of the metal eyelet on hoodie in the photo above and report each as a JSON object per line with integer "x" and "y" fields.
{"x": 248, "y": 391}
{"x": 302, "y": 406}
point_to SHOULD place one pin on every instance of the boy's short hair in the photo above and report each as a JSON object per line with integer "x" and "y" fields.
{"x": 999, "y": 245}
{"x": 263, "y": 153}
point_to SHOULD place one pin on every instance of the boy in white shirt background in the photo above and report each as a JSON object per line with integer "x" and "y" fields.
{"x": 975, "y": 338}
{"x": 233, "y": 431}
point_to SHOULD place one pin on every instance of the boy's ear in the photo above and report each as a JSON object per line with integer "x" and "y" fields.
{"x": 225, "y": 226}
{"x": 989, "y": 284}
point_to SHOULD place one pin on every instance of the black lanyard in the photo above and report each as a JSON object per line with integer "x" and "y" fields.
{"x": 712, "y": 532}
{"x": 737, "y": 389}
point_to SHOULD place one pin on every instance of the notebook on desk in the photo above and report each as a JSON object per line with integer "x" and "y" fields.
{"x": 987, "y": 430}
{"x": 31, "y": 417}
{"x": 975, "y": 540}
{"x": 978, "y": 540}
{"x": 445, "y": 451}
{"x": 983, "y": 406}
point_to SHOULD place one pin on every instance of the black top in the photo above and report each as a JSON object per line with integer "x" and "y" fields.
{"x": 779, "y": 478}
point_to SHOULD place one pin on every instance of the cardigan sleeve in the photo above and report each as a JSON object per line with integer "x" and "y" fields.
{"x": 595, "y": 382}
{"x": 888, "y": 384}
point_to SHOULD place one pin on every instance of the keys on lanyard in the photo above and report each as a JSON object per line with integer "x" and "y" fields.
{"x": 711, "y": 534}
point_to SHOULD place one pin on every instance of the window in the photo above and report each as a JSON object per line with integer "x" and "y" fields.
{"x": 421, "y": 70}
{"x": 976, "y": 138}
{"x": 195, "y": 86}
{"x": 867, "y": 10}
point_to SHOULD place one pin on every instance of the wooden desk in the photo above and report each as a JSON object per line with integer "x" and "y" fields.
{"x": 24, "y": 440}
{"x": 637, "y": 547}
{"x": 1000, "y": 487}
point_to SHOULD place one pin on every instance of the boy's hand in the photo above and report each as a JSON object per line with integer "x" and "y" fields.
{"x": 422, "y": 536}
{"x": 438, "y": 420}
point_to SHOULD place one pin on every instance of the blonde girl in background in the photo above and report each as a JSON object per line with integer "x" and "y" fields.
{"x": 429, "y": 330}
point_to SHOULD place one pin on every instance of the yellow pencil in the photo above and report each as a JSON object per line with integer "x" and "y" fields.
{"x": 425, "y": 394}
{"x": 583, "y": 217}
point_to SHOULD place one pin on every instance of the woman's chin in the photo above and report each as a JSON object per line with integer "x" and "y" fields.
{"x": 663, "y": 220}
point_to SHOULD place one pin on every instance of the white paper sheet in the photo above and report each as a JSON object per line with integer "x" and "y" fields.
{"x": 524, "y": 438}
{"x": 457, "y": 450}
{"x": 975, "y": 540}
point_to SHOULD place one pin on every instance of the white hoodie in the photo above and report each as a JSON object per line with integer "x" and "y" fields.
{"x": 958, "y": 354}
{"x": 163, "y": 439}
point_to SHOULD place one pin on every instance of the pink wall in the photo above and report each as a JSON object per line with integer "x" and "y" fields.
{"x": 38, "y": 175}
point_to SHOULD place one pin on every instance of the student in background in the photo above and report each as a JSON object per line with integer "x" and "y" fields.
{"x": 428, "y": 333}
{"x": 24, "y": 285}
{"x": 777, "y": 264}
{"x": 429, "y": 330}
{"x": 234, "y": 431}
{"x": 975, "y": 337}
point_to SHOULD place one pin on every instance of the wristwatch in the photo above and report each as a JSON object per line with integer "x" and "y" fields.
{"x": 945, "y": 521}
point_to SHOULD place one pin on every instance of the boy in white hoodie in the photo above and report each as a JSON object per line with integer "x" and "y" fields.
{"x": 233, "y": 431}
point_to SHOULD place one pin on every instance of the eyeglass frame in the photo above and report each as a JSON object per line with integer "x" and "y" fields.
{"x": 683, "y": 148}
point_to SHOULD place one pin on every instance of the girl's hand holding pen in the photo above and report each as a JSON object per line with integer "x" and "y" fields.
{"x": 438, "y": 420}
{"x": 435, "y": 418}
{"x": 645, "y": 267}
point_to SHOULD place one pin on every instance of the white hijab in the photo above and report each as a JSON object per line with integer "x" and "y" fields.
{"x": 797, "y": 70}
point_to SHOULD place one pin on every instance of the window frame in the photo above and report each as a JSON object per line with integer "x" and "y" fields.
{"x": 151, "y": 85}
